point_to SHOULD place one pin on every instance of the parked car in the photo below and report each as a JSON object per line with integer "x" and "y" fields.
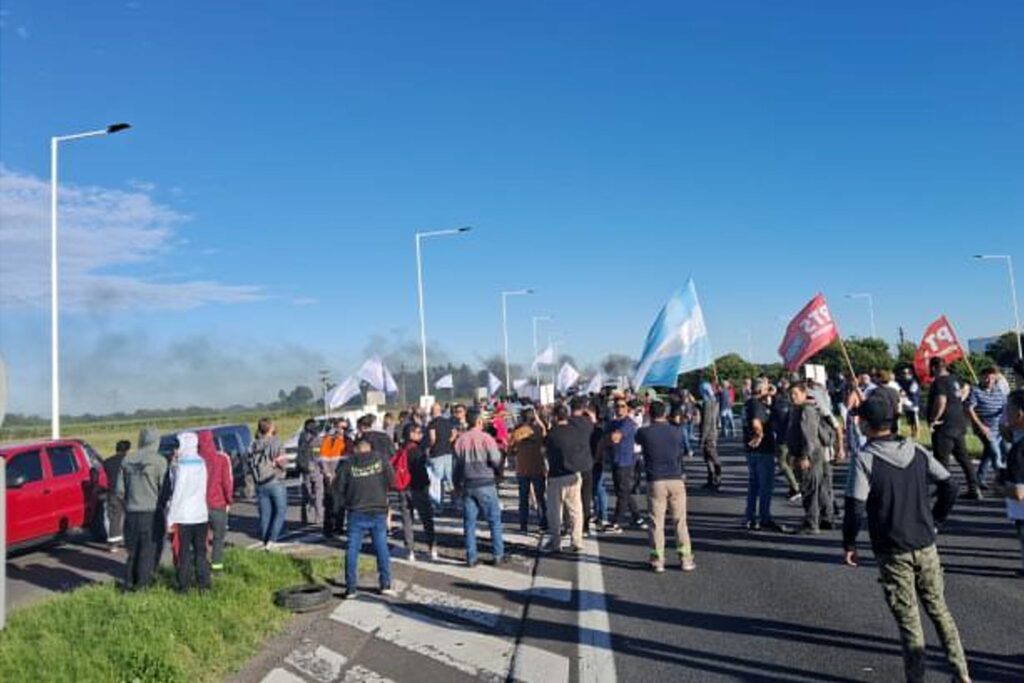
{"x": 232, "y": 439}
{"x": 53, "y": 487}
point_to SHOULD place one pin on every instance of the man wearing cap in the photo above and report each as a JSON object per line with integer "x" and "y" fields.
{"x": 760, "y": 441}
{"x": 889, "y": 486}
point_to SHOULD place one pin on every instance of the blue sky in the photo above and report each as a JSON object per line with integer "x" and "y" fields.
{"x": 256, "y": 223}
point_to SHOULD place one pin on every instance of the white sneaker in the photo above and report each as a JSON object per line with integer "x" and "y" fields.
{"x": 411, "y": 557}
{"x": 433, "y": 554}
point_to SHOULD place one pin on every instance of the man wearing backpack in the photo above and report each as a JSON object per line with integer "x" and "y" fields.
{"x": 412, "y": 483}
{"x": 312, "y": 477}
{"x": 810, "y": 437}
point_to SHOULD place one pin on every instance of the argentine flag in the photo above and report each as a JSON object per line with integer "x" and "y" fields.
{"x": 677, "y": 343}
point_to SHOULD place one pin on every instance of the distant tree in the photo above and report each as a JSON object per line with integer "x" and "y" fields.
{"x": 867, "y": 355}
{"x": 905, "y": 352}
{"x": 1003, "y": 350}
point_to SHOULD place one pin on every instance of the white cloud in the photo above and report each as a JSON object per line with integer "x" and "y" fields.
{"x": 100, "y": 229}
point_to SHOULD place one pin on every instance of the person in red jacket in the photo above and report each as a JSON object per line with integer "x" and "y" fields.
{"x": 219, "y": 488}
{"x": 413, "y": 486}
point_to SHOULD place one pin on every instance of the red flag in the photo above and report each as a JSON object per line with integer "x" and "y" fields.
{"x": 939, "y": 340}
{"x": 810, "y": 331}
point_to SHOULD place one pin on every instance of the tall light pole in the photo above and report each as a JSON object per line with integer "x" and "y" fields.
{"x": 504, "y": 329}
{"x": 54, "y": 296}
{"x": 871, "y": 309}
{"x": 1013, "y": 295}
{"x": 536, "y": 351}
{"x": 419, "y": 289}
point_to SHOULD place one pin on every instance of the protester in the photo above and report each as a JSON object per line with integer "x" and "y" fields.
{"x": 441, "y": 432}
{"x": 1014, "y": 475}
{"x": 188, "y": 515}
{"x": 583, "y": 420}
{"x": 985, "y": 409}
{"x": 527, "y": 449}
{"x": 760, "y": 442}
{"x": 808, "y": 438}
{"x": 312, "y": 478}
{"x": 568, "y": 454}
{"x": 388, "y": 427}
{"x": 115, "y": 504}
{"x": 688, "y": 416}
{"x": 267, "y": 464}
{"x": 413, "y": 496}
{"x": 623, "y": 441}
{"x": 219, "y": 494}
{"x": 602, "y": 455}
{"x": 709, "y": 436}
{"x": 890, "y": 487}
{"x": 779, "y": 419}
{"x": 477, "y": 460}
{"x": 726, "y": 397}
{"x": 361, "y": 486}
{"x": 379, "y": 441}
{"x": 911, "y": 398}
{"x": 948, "y": 423}
{"x": 143, "y": 475}
{"x": 333, "y": 447}
{"x": 665, "y": 489}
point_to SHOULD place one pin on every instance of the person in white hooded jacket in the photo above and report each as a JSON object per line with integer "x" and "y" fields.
{"x": 188, "y": 514}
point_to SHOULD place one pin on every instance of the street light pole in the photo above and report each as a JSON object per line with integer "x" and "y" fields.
{"x": 504, "y": 329}
{"x": 1013, "y": 295}
{"x": 54, "y": 294}
{"x": 419, "y": 291}
{"x": 536, "y": 351}
{"x": 871, "y": 309}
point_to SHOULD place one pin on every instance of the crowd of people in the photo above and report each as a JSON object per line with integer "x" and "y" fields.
{"x": 569, "y": 459}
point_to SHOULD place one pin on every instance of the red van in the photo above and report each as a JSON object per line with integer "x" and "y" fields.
{"x": 52, "y": 488}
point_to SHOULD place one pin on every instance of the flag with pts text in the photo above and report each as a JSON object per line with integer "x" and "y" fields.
{"x": 809, "y": 332}
{"x": 939, "y": 340}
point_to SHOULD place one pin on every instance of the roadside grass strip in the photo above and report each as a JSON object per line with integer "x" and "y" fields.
{"x": 97, "y": 633}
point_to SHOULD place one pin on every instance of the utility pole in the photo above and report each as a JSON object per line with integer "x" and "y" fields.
{"x": 325, "y": 377}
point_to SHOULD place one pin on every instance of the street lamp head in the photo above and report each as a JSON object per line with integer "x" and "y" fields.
{"x": 466, "y": 228}
{"x": 117, "y": 127}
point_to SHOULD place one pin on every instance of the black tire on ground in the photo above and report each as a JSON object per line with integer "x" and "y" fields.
{"x": 303, "y": 598}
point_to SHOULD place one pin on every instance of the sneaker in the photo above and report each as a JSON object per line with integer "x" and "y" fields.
{"x": 471, "y": 563}
{"x": 613, "y": 529}
{"x": 576, "y": 549}
{"x": 388, "y": 591}
{"x": 796, "y": 499}
{"x": 348, "y": 595}
{"x": 433, "y": 554}
{"x": 686, "y": 562}
{"x": 752, "y": 526}
{"x": 658, "y": 567}
{"x": 776, "y": 527}
{"x": 809, "y": 531}
{"x": 640, "y": 524}
{"x": 411, "y": 557}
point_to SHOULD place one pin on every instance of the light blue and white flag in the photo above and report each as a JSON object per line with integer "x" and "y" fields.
{"x": 677, "y": 343}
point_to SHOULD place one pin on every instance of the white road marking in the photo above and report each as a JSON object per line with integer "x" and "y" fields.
{"x": 360, "y": 674}
{"x": 282, "y": 676}
{"x": 317, "y": 662}
{"x": 476, "y": 654}
{"x": 502, "y": 580}
{"x": 597, "y": 660}
{"x": 487, "y": 616}
{"x": 533, "y": 665}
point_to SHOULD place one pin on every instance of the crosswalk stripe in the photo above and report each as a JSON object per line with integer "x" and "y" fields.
{"x": 318, "y": 662}
{"x": 596, "y": 658}
{"x": 450, "y": 604}
{"x": 360, "y": 674}
{"x": 502, "y": 580}
{"x": 281, "y": 676}
{"x": 473, "y": 653}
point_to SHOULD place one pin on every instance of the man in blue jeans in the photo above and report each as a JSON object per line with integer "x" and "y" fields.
{"x": 760, "y": 441}
{"x": 362, "y": 487}
{"x": 477, "y": 463}
{"x": 985, "y": 408}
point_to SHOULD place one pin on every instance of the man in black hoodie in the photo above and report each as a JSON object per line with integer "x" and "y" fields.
{"x": 362, "y": 487}
{"x": 889, "y": 486}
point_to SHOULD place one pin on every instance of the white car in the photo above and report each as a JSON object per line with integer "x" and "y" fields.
{"x": 291, "y": 446}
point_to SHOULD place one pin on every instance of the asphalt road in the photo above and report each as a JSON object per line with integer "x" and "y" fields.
{"x": 763, "y": 606}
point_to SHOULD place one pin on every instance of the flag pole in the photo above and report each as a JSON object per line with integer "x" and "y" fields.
{"x": 966, "y": 352}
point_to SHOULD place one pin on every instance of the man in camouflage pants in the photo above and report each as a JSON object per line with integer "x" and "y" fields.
{"x": 888, "y": 484}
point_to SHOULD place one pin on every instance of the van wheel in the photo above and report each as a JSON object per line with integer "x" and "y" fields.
{"x": 304, "y": 598}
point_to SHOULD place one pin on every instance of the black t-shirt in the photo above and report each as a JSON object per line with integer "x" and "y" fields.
{"x": 660, "y": 445}
{"x": 442, "y": 427}
{"x": 1015, "y": 465}
{"x": 755, "y": 409}
{"x": 954, "y": 421}
{"x": 781, "y": 407}
{"x": 568, "y": 450}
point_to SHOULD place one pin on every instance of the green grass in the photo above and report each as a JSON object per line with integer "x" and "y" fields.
{"x": 96, "y": 633}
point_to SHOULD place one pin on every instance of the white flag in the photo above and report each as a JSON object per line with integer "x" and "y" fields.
{"x": 446, "y": 382}
{"x": 376, "y": 374}
{"x": 343, "y": 393}
{"x": 519, "y": 385}
{"x": 596, "y": 382}
{"x": 546, "y": 357}
{"x": 567, "y": 376}
{"x": 493, "y": 384}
